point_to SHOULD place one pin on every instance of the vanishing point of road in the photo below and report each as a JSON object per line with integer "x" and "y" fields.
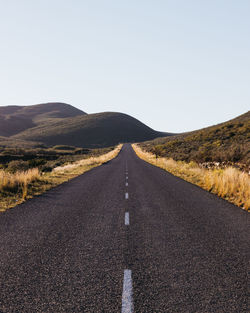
{"x": 124, "y": 237}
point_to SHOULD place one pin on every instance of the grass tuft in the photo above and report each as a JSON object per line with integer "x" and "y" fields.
{"x": 13, "y": 182}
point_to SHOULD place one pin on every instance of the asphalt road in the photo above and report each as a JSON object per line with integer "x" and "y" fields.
{"x": 182, "y": 249}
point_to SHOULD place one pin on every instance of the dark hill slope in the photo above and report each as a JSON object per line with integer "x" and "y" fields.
{"x": 228, "y": 141}
{"x": 10, "y": 125}
{"x": 93, "y": 130}
{"x": 15, "y": 119}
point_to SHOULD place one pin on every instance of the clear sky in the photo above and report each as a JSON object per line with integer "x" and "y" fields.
{"x": 176, "y": 65}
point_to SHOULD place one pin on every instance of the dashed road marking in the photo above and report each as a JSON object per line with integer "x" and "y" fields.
{"x": 126, "y": 184}
{"x": 126, "y": 195}
{"x": 127, "y": 294}
{"x": 127, "y": 218}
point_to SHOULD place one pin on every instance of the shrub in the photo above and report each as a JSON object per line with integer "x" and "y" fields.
{"x": 36, "y": 162}
{"x": 18, "y": 166}
{"x": 64, "y": 147}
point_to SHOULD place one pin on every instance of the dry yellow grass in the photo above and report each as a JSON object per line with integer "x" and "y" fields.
{"x": 89, "y": 162}
{"x": 17, "y": 187}
{"x": 18, "y": 180}
{"x": 230, "y": 183}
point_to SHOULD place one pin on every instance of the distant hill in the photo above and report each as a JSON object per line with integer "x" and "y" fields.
{"x": 225, "y": 142}
{"x": 15, "y": 119}
{"x": 93, "y": 130}
{"x": 62, "y": 124}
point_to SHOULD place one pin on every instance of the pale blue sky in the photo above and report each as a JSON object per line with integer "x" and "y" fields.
{"x": 176, "y": 65}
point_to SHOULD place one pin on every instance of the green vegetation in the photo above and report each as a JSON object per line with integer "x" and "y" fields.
{"x": 228, "y": 142}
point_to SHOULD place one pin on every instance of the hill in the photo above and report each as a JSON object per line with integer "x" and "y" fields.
{"x": 92, "y": 130}
{"x": 62, "y": 124}
{"x": 15, "y": 119}
{"x": 225, "y": 142}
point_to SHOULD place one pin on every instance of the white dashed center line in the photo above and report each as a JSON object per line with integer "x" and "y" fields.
{"x": 127, "y": 218}
{"x": 127, "y": 294}
{"x": 126, "y": 184}
{"x": 126, "y": 195}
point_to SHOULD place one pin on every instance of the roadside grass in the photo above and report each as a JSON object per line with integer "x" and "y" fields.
{"x": 17, "y": 187}
{"x": 229, "y": 183}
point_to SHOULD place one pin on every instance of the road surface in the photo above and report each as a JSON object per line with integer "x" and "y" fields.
{"x": 124, "y": 237}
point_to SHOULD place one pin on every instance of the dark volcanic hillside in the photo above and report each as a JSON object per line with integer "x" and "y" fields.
{"x": 93, "y": 130}
{"x": 15, "y": 119}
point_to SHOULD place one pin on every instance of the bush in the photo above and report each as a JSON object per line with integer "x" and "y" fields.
{"x": 64, "y": 147}
{"x": 18, "y": 166}
{"x": 36, "y": 162}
